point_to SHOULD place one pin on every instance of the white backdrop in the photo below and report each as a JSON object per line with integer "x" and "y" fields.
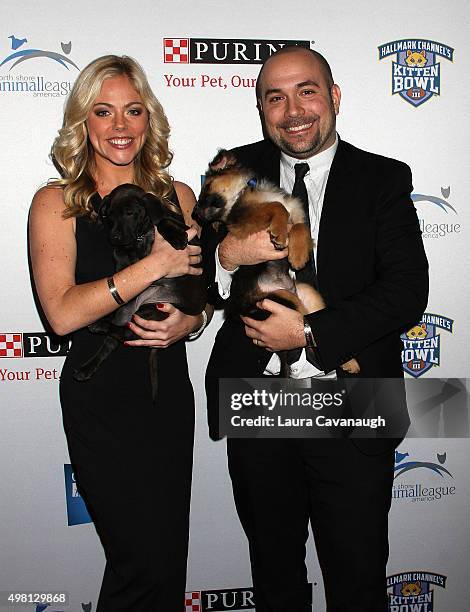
{"x": 429, "y": 517}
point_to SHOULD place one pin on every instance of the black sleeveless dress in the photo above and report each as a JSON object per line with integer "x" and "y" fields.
{"x": 132, "y": 458}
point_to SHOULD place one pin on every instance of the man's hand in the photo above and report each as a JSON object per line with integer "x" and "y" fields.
{"x": 282, "y": 330}
{"x": 254, "y": 249}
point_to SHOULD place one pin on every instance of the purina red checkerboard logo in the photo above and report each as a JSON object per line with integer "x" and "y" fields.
{"x": 222, "y": 600}
{"x": 15, "y": 345}
{"x": 223, "y": 50}
{"x": 193, "y": 601}
{"x": 11, "y": 345}
{"x": 176, "y": 50}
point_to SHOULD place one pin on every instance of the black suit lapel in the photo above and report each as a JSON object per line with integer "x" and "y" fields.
{"x": 337, "y": 195}
{"x": 268, "y": 164}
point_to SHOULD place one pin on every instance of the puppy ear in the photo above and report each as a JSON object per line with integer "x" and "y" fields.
{"x": 153, "y": 207}
{"x": 223, "y": 159}
{"x": 104, "y": 208}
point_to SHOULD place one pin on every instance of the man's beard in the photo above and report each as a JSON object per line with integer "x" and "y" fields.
{"x": 302, "y": 149}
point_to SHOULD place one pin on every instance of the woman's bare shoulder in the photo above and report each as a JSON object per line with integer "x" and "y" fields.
{"x": 183, "y": 190}
{"x": 186, "y": 198}
{"x": 48, "y": 199}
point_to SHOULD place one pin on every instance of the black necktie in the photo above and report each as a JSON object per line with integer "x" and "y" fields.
{"x": 308, "y": 274}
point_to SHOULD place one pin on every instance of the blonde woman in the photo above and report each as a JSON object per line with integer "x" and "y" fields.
{"x": 132, "y": 458}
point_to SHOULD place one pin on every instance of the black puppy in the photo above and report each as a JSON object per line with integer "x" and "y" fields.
{"x": 130, "y": 216}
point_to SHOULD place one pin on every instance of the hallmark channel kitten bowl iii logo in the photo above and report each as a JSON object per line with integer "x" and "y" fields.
{"x": 413, "y": 591}
{"x": 416, "y": 75}
{"x": 23, "y": 70}
{"x": 422, "y": 344}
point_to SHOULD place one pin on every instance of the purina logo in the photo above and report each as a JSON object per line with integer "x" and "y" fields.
{"x": 416, "y": 74}
{"x": 413, "y": 592}
{"x": 222, "y": 50}
{"x": 421, "y": 344}
{"x": 14, "y": 345}
{"x": 436, "y": 230}
{"x": 217, "y": 601}
{"x": 37, "y": 85}
{"x": 223, "y": 599}
{"x": 77, "y": 513}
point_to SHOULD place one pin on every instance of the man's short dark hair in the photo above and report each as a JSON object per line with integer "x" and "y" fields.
{"x": 324, "y": 65}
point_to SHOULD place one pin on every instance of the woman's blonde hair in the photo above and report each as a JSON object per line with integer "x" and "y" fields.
{"x": 72, "y": 153}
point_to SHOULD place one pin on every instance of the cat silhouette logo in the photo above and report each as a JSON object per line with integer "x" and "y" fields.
{"x": 401, "y": 467}
{"x": 412, "y": 591}
{"x": 21, "y": 54}
{"x": 416, "y": 75}
{"x": 421, "y": 344}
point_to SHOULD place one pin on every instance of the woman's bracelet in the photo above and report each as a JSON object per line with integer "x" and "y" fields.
{"x": 114, "y": 292}
{"x": 195, "y": 334}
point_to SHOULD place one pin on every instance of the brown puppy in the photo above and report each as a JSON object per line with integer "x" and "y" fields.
{"x": 234, "y": 197}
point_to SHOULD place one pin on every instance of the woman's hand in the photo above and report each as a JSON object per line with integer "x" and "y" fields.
{"x": 172, "y": 262}
{"x": 163, "y": 333}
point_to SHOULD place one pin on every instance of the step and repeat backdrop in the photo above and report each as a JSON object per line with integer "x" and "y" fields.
{"x": 404, "y": 73}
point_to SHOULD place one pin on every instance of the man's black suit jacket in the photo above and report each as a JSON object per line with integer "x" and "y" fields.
{"x": 371, "y": 269}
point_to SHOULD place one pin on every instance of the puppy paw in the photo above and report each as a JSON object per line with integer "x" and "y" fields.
{"x": 81, "y": 375}
{"x": 300, "y": 246}
{"x": 351, "y": 366}
{"x": 179, "y": 242}
{"x": 279, "y": 240}
{"x": 297, "y": 258}
{"x": 99, "y": 327}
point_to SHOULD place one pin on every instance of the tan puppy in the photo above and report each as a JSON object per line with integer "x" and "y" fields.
{"x": 232, "y": 196}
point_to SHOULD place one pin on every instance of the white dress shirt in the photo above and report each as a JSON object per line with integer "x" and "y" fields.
{"x": 315, "y": 182}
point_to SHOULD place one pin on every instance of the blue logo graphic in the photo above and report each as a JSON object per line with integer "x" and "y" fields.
{"x": 85, "y": 607}
{"x": 443, "y": 228}
{"x": 77, "y": 513}
{"x": 416, "y": 74}
{"x": 401, "y": 466}
{"x": 26, "y": 54}
{"x": 412, "y": 591}
{"x": 441, "y": 203}
{"x": 426, "y": 490}
{"x": 421, "y": 344}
